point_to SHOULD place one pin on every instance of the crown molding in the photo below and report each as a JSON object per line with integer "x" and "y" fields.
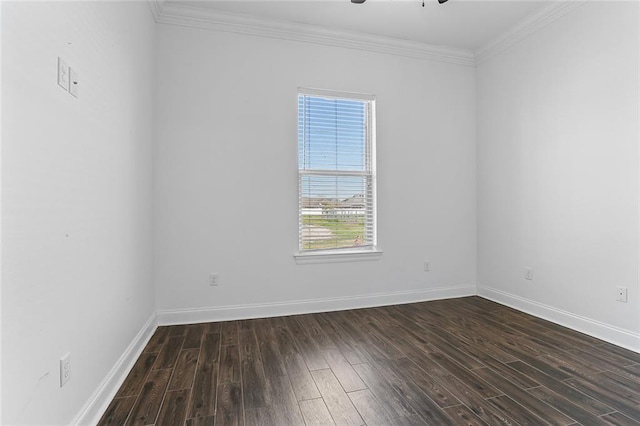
{"x": 155, "y": 9}
{"x": 196, "y": 17}
{"x": 525, "y": 28}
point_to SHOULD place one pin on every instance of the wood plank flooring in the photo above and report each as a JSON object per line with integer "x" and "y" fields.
{"x": 466, "y": 361}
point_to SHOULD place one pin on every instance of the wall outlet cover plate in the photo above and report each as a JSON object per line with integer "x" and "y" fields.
{"x": 63, "y": 74}
{"x": 65, "y": 369}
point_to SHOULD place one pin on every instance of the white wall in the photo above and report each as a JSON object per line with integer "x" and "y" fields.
{"x": 558, "y": 170}
{"x": 76, "y": 199}
{"x": 557, "y": 180}
{"x": 226, "y": 147}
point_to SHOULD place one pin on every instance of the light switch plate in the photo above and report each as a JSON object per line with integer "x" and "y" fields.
{"x": 65, "y": 369}
{"x": 63, "y": 74}
{"x": 73, "y": 82}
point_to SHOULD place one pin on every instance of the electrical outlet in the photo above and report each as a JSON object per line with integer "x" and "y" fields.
{"x": 213, "y": 279}
{"x": 65, "y": 369}
{"x": 528, "y": 274}
{"x": 621, "y": 294}
{"x": 427, "y": 266}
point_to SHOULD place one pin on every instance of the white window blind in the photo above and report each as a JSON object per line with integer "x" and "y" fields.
{"x": 336, "y": 171}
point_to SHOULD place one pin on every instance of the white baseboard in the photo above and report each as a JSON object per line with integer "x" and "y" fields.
{"x": 101, "y": 398}
{"x": 618, "y": 336}
{"x": 237, "y": 312}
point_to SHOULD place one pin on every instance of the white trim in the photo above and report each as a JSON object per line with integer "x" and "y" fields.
{"x": 200, "y": 17}
{"x": 618, "y": 336}
{"x": 525, "y": 28}
{"x": 102, "y": 397}
{"x": 95, "y": 406}
{"x": 295, "y": 307}
{"x": 325, "y": 93}
{"x": 307, "y": 258}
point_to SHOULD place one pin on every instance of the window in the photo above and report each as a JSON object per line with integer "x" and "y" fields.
{"x": 336, "y": 172}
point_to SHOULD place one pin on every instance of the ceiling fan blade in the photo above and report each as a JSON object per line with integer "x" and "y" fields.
{"x": 442, "y": 1}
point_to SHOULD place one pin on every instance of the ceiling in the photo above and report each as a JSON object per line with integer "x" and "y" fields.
{"x": 462, "y": 24}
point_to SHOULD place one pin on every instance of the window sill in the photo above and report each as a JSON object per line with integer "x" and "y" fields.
{"x": 337, "y": 256}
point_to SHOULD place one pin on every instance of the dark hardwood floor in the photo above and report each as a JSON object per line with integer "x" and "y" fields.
{"x": 464, "y": 361}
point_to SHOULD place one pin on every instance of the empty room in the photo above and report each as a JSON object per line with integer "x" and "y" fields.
{"x": 349, "y": 212}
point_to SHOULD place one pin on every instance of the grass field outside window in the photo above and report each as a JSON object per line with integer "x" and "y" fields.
{"x": 326, "y": 232}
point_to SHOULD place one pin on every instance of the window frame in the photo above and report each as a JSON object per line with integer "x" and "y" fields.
{"x": 348, "y": 254}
